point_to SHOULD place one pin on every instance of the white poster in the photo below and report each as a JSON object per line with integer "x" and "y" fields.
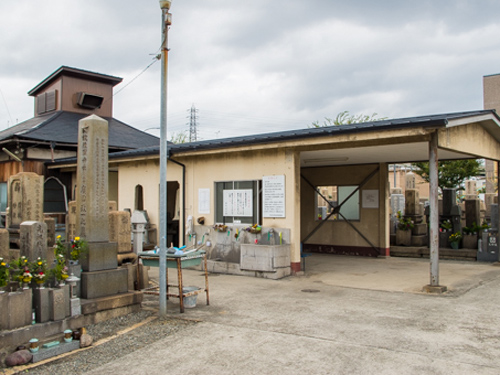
{"x": 273, "y": 196}
{"x": 370, "y": 199}
{"x": 203, "y": 201}
{"x": 238, "y": 203}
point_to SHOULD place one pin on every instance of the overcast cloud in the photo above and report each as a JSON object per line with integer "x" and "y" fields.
{"x": 257, "y": 66}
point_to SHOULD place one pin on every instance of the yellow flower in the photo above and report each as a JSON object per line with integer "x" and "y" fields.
{"x": 59, "y": 236}
{"x": 77, "y": 238}
{"x": 2, "y": 264}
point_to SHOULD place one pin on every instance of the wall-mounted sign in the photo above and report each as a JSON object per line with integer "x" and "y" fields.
{"x": 238, "y": 203}
{"x": 203, "y": 201}
{"x": 273, "y": 196}
{"x": 370, "y": 199}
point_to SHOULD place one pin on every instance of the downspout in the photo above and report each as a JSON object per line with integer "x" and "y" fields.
{"x": 183, "y": 195}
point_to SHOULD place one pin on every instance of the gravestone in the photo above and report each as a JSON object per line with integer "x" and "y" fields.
{"x": 100, "y": 276}
{"x": 119, "y": 230}
{"x": 410, "y": 181}
{"x": 489, "y": 199}
{"x": 25, "y": 199}
{"x": 490, "y": 252}
{"x": 71, "y": 221}
{"x": 470, "y": 189}
{"x": 33, "y": 240}
{"x": 4, "y": 244}
{"x": 412, "y": 202}
{"x": 451, "y": 210}
{"x": 51, "y": 230}
{"x": 472, "y": 212}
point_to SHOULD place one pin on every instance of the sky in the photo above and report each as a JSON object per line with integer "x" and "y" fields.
{"x": 256, "y": 66}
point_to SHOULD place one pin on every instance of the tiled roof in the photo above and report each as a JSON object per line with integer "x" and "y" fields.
{"x": 62, "y": 127}
{"x": 420, "y": 121}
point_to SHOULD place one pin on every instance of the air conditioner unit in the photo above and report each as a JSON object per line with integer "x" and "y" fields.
{"x": 90, "y": 101}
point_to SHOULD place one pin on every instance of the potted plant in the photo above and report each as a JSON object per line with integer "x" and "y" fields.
{"x": 17, "y": 270}
{"x": 59, "y": 248}
{"x": 39, "y": 271}
{"x": 60, "y": 270}
{"x": 78, "y": 249}
{"x": 403, "y": 231}
{"x": 454, "y": 240}
{"x": 4, "y": 274}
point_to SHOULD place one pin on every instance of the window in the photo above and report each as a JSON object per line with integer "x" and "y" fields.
{"x": 238, "y": 202}
{"x": 336, "y": 195}
{"x": 3, "y": 196}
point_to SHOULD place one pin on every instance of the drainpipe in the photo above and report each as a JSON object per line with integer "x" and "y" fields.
{"x": 183, "y": 195}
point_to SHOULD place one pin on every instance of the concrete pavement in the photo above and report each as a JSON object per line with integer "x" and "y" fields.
{"x": 319, "y": 324}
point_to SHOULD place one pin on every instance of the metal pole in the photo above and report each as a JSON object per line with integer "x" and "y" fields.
{"x": 434, "y": 212}
{"x": 163, "y": 162}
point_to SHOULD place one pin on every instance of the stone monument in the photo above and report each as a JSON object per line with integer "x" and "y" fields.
{"x": 100, "y": 276}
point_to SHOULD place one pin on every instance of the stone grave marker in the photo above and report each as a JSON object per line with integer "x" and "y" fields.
{"x": 25, "y": 198}
{"x": 410, "y": 181}
{"x": 100, "y": 276}
{"x": 4, "y": 244}
{"x": 33, "y": 240}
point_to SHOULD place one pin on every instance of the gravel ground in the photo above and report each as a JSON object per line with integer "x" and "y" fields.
{"x": 86, "y": 360}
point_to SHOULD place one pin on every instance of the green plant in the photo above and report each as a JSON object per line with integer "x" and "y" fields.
{"x": 59, "y": 247}
{"x": 455, "y": 237}
{"x": 467, "y": 230}
{"x": 446, "y": 225}
{"x": 404, "y": 223}
{"x": 485, "y": 226}
{"x": 60, "y": 271}
{"x": 18, "y": 267}
{"x": 79, "y": 248}
{"x": 4, "y": 272}
{"x": 39, "y": 270}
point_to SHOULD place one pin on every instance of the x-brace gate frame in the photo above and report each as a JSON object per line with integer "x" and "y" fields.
{"x": 336, "y": 209}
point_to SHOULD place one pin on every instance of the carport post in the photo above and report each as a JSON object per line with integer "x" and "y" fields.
{"x": 434, "y": 286}
{"x": 434, "y": 211}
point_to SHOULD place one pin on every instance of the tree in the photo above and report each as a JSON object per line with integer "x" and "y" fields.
{"x": 451, "y": 173}
{"x": 180, "y": 137}
{"x": 344, "y": 118}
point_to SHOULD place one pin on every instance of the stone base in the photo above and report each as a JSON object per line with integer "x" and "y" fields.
{"x": 41, "y": 305}
{"x": 91, "y": 306}
{"x": 234, "y": 269}
{"x": 419, "y": 240}
{"x": 437, "y": 289}
{"x": 100, "y": 256}
{"x": 15, "y": 309}
{"x": 104, "y": 283}
{"x": 76, "y": 307}
{"x": 63, "y": 347}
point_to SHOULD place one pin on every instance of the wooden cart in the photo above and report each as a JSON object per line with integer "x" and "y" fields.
{"x": 178, "y": 262}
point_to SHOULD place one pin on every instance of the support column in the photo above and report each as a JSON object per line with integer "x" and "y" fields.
{"x": 434, "y": 286}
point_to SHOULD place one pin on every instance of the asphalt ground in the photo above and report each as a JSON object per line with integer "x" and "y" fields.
{"x": 344, "y": 315}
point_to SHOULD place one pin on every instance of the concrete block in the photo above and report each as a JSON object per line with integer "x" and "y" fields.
{"x": 90, "y": 306}
{"x": 100, "y": 256}
{"x": 75, "y": 306}
{"x": 16, "y": 309}
{"x": 41, "y": 305}
{"x": 419, "y": 240}
{"x": 104, "y": 283}
{"x": 63, "y": 347}
{"x": 58, "y": 302}
{"x": 281, "y": 261}
{"x": 419, "y": 229}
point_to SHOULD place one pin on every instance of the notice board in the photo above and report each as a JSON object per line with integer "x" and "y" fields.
{"x": 273, "y": 196}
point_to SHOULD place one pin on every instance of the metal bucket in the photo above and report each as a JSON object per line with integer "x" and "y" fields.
{"x": 189, "y": 302}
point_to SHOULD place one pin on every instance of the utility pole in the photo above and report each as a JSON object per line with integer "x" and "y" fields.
{"x": 166, "y": 21}
{"x": 193, "y": 132}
